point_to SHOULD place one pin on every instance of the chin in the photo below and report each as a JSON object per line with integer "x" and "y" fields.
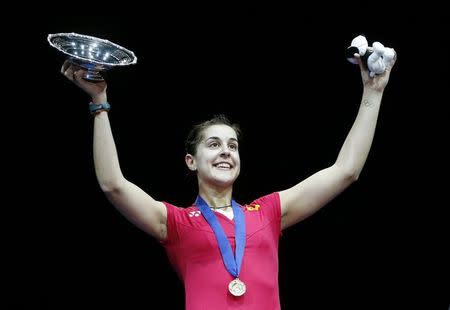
{"x": 224, "y": 181}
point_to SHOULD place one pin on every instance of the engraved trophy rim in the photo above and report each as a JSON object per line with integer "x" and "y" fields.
{"x": 66, "y": 39}
{"x": 94, "y": 54}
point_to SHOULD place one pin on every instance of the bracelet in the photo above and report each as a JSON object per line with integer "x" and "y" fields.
{"x": 96, "y": 108}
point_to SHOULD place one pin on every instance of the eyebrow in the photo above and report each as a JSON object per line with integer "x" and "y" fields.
{"x": 217, "y": 138}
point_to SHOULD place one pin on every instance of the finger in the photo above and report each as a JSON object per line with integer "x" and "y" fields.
{"x": 78, "y": 74}
{"x": 67, "y": 71}
{"x": 393, "y": 59}
{"x": 65, "y": 66}
{"x": 358, "y": 60}
{"x": 363, "y": 69}
{"x": 392, "y": 62}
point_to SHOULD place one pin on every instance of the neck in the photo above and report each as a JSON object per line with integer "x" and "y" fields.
{"x": 222, "y": 207}
{"x": 216, "y": 199}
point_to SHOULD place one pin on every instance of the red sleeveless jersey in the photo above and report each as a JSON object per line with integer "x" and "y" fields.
{"x": 194, "y": 253}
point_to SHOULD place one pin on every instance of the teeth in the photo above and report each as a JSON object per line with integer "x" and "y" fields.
{"x": 223, "y": 166}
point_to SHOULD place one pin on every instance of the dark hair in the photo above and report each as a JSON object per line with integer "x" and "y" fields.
{"x": 195, "y": 135}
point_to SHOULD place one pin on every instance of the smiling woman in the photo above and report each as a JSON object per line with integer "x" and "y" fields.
{"x": 215, "y": 158}
{"x": 217, "y": 245}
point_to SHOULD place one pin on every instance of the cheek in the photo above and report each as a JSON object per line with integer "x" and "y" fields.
{"x": 205, "y": 158}
{"x": 237, "y": 158}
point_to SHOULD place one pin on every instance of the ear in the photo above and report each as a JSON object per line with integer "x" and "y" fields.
{"x": 190, "y": 162}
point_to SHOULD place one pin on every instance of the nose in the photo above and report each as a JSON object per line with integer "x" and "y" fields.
{"x": 225, "y": 151}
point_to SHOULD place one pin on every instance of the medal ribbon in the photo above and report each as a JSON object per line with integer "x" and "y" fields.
{"x": 231, "y": 262}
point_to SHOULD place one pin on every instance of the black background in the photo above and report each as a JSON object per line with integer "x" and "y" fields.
{"x": 283, "y": 76}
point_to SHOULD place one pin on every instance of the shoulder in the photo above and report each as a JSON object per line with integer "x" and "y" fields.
{"x": 263, "y": 212}
{"x": 180, "y": 221}
{"x": 266, "y": 201}
{"x": 180, "y": 212}
{"x": 269, "y": 205}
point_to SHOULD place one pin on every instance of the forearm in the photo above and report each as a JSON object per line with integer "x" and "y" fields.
{"x": 106, "y": 160}
{"x": 356, "y": 147}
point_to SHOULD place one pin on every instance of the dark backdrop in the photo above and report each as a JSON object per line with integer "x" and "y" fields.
{"x": 283, "y": 76}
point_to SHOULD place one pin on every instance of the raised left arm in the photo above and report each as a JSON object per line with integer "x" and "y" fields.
{"x": 308, "y": 196}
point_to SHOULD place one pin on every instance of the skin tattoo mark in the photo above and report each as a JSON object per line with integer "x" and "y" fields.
{"x": 367, "y": 103}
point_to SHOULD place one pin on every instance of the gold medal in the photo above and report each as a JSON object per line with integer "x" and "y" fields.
{"x": 237, "y": 287}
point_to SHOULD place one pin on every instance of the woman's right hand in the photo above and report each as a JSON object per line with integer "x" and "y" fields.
{"x": 97, "y": 90}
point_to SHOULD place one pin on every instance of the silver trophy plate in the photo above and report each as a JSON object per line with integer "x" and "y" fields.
{"x": 91, "y": 53}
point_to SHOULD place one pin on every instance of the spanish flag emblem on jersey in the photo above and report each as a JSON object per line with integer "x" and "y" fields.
{"x": 254, "y": 207}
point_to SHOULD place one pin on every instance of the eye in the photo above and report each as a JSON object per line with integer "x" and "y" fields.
{"x": 214, "y": 145}
{"x": 233, "y": 147}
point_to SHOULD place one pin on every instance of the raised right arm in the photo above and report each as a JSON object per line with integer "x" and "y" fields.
{"x": 135, "y": 204}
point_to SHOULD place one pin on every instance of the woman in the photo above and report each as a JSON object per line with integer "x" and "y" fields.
{"x": 226, "y": 253}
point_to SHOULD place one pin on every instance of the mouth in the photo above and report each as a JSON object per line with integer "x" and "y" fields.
{"x": 223, "y": 166}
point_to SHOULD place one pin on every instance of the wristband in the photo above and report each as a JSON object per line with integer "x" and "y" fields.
{"x": 96, "y": 108}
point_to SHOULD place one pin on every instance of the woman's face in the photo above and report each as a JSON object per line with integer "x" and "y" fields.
{"x": 217, "y": 159}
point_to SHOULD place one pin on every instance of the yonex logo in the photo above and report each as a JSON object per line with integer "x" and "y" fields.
{"x": 194, "y": 213}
